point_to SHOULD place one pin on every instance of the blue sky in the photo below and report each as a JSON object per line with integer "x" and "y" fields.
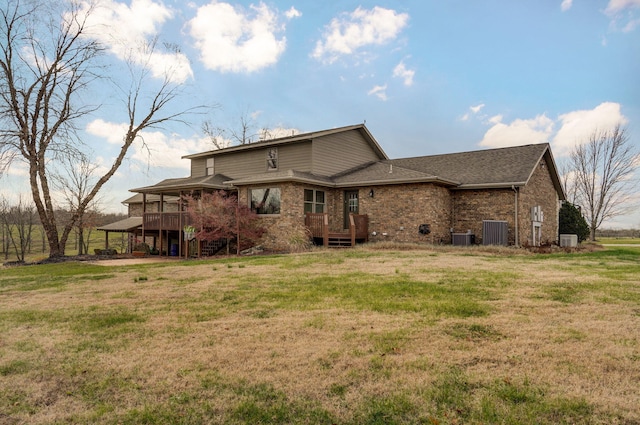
{"x": 428, "y": 77}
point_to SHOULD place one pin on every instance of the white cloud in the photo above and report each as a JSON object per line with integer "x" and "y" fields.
{"x": 362, "y": 27}
{"x": 623, "y": 14}
{"x": 518, "y": 132}
{"x": 401, "y": 71}
{"x": 477, "y": 108}
{"x": 574, "y": 127}
{"x": 231, "y": 39}
{"x": 379, "y": 91}
{"x": 616, "y": 6}
{"x": 128, "y": 31}
{"x": 577, "y": 126}
{"x": 158, "y": 149}
{"x": 566, "y": 5}
{"x": 474, "y": 110}
{"x": 293, "y": 13}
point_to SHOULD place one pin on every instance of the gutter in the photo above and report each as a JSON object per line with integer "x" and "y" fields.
{"x": 506, "y": 185}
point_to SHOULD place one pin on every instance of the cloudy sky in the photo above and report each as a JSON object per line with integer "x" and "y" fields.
{"x": 428, "y": 77}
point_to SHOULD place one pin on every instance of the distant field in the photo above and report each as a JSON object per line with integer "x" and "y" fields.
{"x": 40, "y": 249}
{"x": 356, "y": 336}
{"x": 618, "y": 241}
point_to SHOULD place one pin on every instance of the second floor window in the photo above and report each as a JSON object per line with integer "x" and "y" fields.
{"x": 272, "y": 159}
{"x": 210, "y": 169}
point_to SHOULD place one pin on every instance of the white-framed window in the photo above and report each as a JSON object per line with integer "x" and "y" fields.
{"x": 265, "y": 200}
{"x": 314, "y": 201}
{"x": 272, "y": 159}
{"x": 210, "y": 167}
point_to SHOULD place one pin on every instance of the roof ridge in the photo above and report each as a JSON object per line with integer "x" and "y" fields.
{"x": 474, "y": 151}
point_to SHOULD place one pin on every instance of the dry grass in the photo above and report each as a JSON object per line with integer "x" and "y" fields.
{"x": 357, "y": 336}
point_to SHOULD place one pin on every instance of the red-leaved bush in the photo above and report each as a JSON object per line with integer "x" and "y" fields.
{"x": 218, "y": 215}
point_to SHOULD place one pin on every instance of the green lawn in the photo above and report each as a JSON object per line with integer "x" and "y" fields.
{"x": 360, "y": 336}
{"x": 618, "y": 241}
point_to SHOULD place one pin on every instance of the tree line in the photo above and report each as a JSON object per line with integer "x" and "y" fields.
{"x": 22, "y": 233}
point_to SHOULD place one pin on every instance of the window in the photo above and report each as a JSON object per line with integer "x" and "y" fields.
{"x": 265, "y": 201}
{"x": 272, "y": 159}
{"x": 314, "y": 201}
{"x": 210, "y": 171}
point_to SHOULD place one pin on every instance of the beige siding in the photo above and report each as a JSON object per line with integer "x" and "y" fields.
{"x": 198, "y": 167}
{"x": 238, "y": 165}
{"x": 295, "y": 157}
{"x": 339, "y": 152}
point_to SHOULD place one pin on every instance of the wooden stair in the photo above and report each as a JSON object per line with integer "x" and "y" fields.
{"x": 318, "y": 225}
{"x": 339, "y": 240}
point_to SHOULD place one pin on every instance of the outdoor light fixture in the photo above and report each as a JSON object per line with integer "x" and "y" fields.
{"x": 371, "y": 193}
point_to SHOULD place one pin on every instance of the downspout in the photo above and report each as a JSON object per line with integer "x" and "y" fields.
{"x": 516, "y": 233}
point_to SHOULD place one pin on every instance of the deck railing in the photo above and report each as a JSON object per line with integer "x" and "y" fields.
{"x": 318, "y": 225}
{"x": 165, "y": 220}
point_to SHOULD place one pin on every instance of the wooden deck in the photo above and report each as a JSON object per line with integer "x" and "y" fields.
{"x": 318, "y": 224}
{"x": 165, "y": 220}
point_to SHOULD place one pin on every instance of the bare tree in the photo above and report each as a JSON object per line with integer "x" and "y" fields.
{"x": 244, "y": 132}
{"x": 19, "y": 221}
{"x": 46, "y": 61}
{"x": 75, "y": 184}
{"x": 604, "y": 169}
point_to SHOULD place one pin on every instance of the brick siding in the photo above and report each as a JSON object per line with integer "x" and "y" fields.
{"x": 396, "y": 211}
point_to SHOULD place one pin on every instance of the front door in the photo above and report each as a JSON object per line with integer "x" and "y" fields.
{"x": 350, "y": 205}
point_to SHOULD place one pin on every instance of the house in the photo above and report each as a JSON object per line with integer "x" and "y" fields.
{"x": 506, "y": 196}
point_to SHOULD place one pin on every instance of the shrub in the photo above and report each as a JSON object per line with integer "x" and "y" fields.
{"x": 571, "y": 221}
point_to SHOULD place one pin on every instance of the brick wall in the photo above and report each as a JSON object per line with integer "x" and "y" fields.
{"x": 399, "y": 210}
{"x": 291, "y": 218}
{"x": 471, "y": 207}
{"x": 540, "y": 191}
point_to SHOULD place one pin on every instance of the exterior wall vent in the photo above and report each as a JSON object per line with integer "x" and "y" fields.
{"x": 495, "y": 232}
{"x": 568, "y": 240}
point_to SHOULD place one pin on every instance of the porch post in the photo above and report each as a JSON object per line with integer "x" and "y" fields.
{"x": 144, "y": 213}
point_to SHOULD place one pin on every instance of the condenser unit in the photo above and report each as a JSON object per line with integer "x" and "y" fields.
{"x": 463, "y": 239}
{"x": 568, "y": 240}
{"x": 495, "y": 232}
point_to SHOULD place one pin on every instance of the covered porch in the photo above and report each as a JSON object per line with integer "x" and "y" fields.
{"x": 170, "y": 223}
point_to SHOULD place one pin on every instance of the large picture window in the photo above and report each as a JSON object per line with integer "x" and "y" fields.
{"x": 265, "y": 200}
{"x": 314, "y": 201}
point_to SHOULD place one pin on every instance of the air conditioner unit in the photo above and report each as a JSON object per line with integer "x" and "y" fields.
{"x": 568, "y": 240}
{"x": 463, "y": 239}
{"x": 495, "y": 232}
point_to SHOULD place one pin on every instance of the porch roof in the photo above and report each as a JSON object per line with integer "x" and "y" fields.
{"x": 176, "y": 186}
{"x": 126, "y": 225}
{"x": 283, "y": 176}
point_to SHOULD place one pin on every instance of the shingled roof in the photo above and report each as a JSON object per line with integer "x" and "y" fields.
{"x": 176, "y": 185}
{"x": 294, "y": 138}
{"x": 486, "y": 168}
